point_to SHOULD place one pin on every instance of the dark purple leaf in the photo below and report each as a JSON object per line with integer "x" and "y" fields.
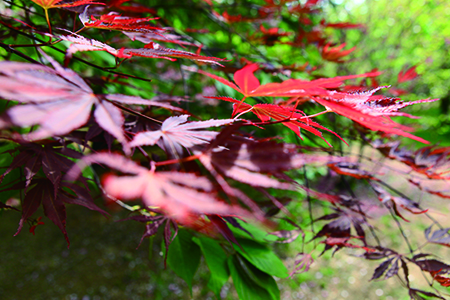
{"x": 379, "y": 271}
{"x": 393, "y": 270}
{"x": 168, "y": 238}
{"x": 236, "y": 224}
{"x": 54, "y": 209}
{"x": 302, "y": 263}
{"x": 420, "y": 255}
{"x": 222, "y": 227}
{"x": 337, "y": 228}
{"x": 31, "y": 167}
{"x": 152, "y": 228}
{"x": 81, "y": 197}
{"x": 31, "y": 203}
{"x": 19, "y": 160}
{"x": 405, "y": 271}
{"x": 432, "y": 265}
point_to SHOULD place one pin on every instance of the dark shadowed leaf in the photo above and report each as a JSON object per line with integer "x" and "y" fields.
{"x": 432, "y": 265}
{"x": 246, "y": 288}
{"x": 31, "y": 203}
{"x": 379, "y": 271}
{"x": 393, "y": 270}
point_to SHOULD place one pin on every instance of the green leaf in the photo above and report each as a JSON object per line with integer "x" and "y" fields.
{"x": 257, "y": 233}
{"x": 184, "y": 256}
{"x": 250, "y": 283}
{"x": 262, "y": 258}
{"x": 216, "y": 259}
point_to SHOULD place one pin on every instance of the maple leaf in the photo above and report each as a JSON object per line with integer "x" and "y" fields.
{"x": 341, "y": 242}
{"x": 149, "y": 37}
{"x": 248, "y": 85}
{"x": 246, "y": 160}
{"x": 367, "y": 109}
{"x": 341, "y": 25}
{"x": 294, "y": 120}
{"x": 53, "y": 201}
{"x": 226, "y": 17}
{"x": 352, "y": 170}
{"x": 80, "y": 43}
{"x": 302, "y": 263}
{"x": 152, "y": 225}
{"x": 395, "y": 201}
{"x": 406, "y": 75}
{"x": 52, "y": 159}
{"x": 47, "y": 4}
{"x": 269, "y": 36}
{"x": 336, "y": 53}
{"x": 178, "y": 194}
{"x": 371, "y": 111}
{"x": 155, "y": 50}
{"x": 441, "y": 236}
{"x": 430, "y": 161}
{"x": 59, "y": 101}
{"x": 175, "y": 133}
{"x": 51, "y": 191}
{"x": 114, "y": 21}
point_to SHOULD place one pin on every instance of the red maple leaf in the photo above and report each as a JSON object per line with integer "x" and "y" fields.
{"x": 371, "y": 111}
{"x": 155, "y": 50}
{"x": 47, "y": 4}
{"x": 269, "y": 36}
{"x": 335, "y": 53}
{"x": 294, "y": 120}
{"x": 248, "y": 85}
{"x": 114, "y": 21}
{"x": 406, "y": 75}
{"x": 341, "y": 25}
{"x": 178, "y": 194}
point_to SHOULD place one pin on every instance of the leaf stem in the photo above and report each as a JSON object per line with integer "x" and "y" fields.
{"x": 48, "y": 23}
{"x": 178, "y": 160}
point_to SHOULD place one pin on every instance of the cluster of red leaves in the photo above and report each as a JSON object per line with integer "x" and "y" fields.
{"x": 369, "y": 110}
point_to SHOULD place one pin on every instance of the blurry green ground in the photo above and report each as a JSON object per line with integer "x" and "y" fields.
{"x": 102, "y": 263}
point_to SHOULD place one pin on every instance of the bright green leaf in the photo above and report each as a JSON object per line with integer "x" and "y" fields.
{"x": 184, "y": 256}
{"x": 216, "y": 259}
{"x": 262, "y": 258}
